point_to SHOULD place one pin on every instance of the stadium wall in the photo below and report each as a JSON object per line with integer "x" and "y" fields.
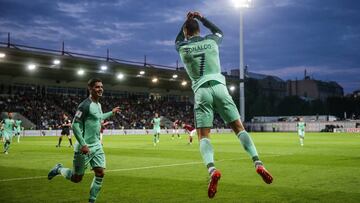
{"x": 116, "y": 132}
{"x": 291, "y": 126}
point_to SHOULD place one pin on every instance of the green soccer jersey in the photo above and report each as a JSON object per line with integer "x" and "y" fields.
{"x": 200, "y": 56}
{"x": 9, "y": 125}
{"x": 156, "y": 123}
{"x": 18, "y": 125}
{"x": 87, "y": 124}
{"x": 301, "y": 126}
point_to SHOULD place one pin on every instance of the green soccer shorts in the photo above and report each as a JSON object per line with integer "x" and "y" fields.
{"x": 211, "y": 97}
{"x": 96, "y": 159}
{"x": 156, "y": 130}
{"x": 7, "y": 136}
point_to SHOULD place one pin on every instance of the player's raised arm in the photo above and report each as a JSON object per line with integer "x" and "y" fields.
{"x": 179, "y": 38}
{"x": 211, "y": 26}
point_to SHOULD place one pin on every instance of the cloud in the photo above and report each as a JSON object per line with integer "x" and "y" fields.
{"x": 110, "y": 41}
{"x": 283, "y": 3}
{"x": 54, "y": 33}
{"x": 165, "y": 42}
{"x": 72, "y": 9}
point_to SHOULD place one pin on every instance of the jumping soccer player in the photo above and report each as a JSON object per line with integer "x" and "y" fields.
{"x": 9, "y": 125}
{"x": 88, "y": 149}
{"x": 301, "y": 130}
{"x": 191, "y": 130}
{"x": 65, "y": 126}
{"x": 17, "y": 129}
{"x": 156, "y": 127}
{"x": 200, "y": 56}
{"x": 176, "y": 125}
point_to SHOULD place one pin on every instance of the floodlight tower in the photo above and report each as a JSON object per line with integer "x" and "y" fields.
{"x": 241, "y": 5}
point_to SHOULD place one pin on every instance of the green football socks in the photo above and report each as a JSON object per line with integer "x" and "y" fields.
{"x": 207, "y": 152}
{"x": 95, "y": 188}
{"x": 66, "y": 172}
{"x": 248, "y": 144}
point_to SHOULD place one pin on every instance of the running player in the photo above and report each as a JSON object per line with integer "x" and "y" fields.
{"x": 17, "y": 129}
{"x": 200, "y": 56}
{"x": 156, "y": 127}
{"x": 9, "y": 125}
{"x": 88, "y": 149}
{"x": 176, "y": 125}
{"x": 191, "y": 130}
{"x": 301, "y": 130}
{"x": 65, "y": 130}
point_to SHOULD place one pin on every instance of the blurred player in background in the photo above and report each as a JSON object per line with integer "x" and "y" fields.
{"x": 17, "y": 129}
{"x": 191, "y": 130}
{"x": 301, "y": 130}
{"x": 1, "y": 131}
{"x": 176, "y": 125}
{"x": 88, "y": 149}
{"x": 103, "y": 127}
{"x": 9, "y": 125}
{"x": 156, "y": 128}
{"x": 65, "y": 130}
{"x": 200, "y": 56}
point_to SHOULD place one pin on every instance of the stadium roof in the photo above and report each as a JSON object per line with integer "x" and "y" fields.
{"x": 18, "y": 58}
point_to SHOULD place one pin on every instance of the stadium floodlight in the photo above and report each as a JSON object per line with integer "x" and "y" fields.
{"x": 232, "y": 88}
{"x": 142, "y": 72}
{"x": 184, "y": 83}
{"x": 174, "y": 76}
{"x": 56, "y": 62}
{"x": 31, "y": 67}
{"x": 103, "y": 67}
{"x": 155, "y": 80}
{"x": 2, "y": 55}
{"x": 120, "y": 76}
{"x": 81, "y": 72}
{"x": 241, "y": 4}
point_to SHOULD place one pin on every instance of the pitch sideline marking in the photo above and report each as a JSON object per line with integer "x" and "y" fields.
{"x": 137, "y": 168}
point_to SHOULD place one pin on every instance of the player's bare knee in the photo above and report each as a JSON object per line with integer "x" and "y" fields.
{"x": 237, "y": 126}
{"x": 76, "y": 178}
{"x": 99, "y": 172}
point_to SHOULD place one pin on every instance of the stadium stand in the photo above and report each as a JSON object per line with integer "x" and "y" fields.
{"x": 45, "y": 109}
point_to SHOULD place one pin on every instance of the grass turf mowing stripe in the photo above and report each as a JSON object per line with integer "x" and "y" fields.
{"x": 137, "y": 168}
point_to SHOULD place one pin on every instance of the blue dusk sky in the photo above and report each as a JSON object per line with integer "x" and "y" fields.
{"x": 281, "y": 37}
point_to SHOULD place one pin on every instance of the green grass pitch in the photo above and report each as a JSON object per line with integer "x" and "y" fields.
{"x": 326, "y": 169}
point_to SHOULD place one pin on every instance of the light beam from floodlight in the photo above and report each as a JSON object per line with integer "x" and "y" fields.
{"x": 80, "y": 72}
{"x": 120, "y": 76}
{"x": 184, "y": 83}
{"x": 174, "y": 76}
{"x": 103, "y": 67}
{"x": 31, "y": 67}
{"x": 56, "y": 62}
{"x": 142, "y": 72}
{"x": 155, "y": 80}
{"x": 2, "y": 55}
{"x": 232, "y": 88}
{"x": 242, "y": 3}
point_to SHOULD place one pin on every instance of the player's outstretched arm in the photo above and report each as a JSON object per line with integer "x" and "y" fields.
{"x": 110, "y": 113}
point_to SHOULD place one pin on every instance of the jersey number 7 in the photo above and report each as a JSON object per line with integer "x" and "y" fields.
{"x": 202, "y": 62}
